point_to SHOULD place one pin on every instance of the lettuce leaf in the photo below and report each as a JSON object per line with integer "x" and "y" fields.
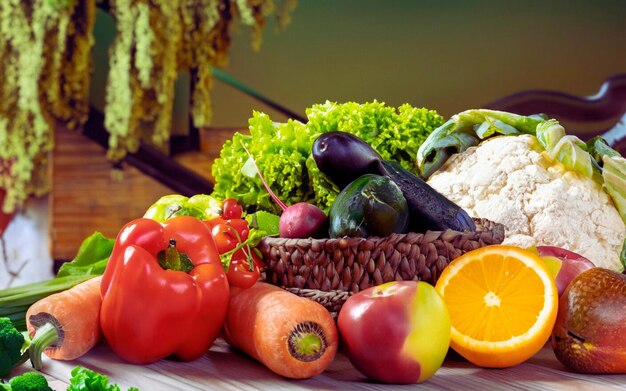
{"x": 91, "y": 258}
{"x": 85, "y": 379}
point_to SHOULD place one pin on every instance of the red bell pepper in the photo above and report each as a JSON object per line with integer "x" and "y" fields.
{"x": 164, "y": 291}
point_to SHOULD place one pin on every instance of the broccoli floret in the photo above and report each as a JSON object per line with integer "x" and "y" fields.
{"x": 11, "y": 343}
{"x": 29, "y": 381}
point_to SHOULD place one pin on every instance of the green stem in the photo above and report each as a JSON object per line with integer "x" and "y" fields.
{"x": 172, "y": 256}
{"x": 15, "y": 301}
{"x": 307, "y": 342}
{"x": 172, "y": 259}
{"x": 226, "y": 257}
{"x": 43, "y": 288}
{"x": 47, "y": 334}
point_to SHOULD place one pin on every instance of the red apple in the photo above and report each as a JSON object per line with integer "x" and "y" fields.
{"x": 567, "y": 264}
{"x": 397, "y": 332}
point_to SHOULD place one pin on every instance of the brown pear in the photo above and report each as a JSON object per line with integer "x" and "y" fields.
{"x": 589, "y": 335}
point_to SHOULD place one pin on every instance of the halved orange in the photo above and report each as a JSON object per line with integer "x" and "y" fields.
{"x": 502, "y": 302}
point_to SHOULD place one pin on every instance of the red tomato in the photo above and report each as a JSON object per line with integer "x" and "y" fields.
{"x": 240, "y": 273}
{"x": 257, "y": 259}
{"x": 225, "y": 237}
{"x": 214, "y": 221}
{"x": 242, "y": 228}
{"x": 231, "y": 209}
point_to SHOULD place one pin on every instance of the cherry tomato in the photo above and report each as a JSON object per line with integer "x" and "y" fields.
{"x": 241, "y": 226}
{"x": 240, "y": 273}
{"x": 225, "y": 237}
{"x": 231, "y": 209}
{"x": 214, "y": 221}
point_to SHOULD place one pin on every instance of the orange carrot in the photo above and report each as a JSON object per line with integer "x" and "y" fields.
{"x": 65, "y": 325}
{"x": 293, "y": 336}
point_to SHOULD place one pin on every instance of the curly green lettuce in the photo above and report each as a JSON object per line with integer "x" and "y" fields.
{"x": 84, "y": 379}
{"x": 283, "y": 151}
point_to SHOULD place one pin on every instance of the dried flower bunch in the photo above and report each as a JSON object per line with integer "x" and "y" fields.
{"x": 45, "y": 65}
{"x": 44, "y": 68}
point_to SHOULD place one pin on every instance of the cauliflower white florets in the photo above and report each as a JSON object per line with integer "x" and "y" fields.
{"x": 512, "y": 181}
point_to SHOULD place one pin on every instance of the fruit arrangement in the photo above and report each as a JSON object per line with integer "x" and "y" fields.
{"x": 386, "y": 270}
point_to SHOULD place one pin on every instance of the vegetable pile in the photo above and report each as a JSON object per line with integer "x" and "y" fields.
{"x": 189, "y": 271}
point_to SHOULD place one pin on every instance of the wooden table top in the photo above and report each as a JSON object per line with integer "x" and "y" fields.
{"x": 223, "y": 368}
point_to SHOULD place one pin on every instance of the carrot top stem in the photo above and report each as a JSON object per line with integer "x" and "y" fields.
{"x": 307, "y": 342}
{"x": 47, "y": 334}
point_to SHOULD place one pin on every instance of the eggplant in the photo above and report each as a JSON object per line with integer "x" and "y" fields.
{"x": 344, "y": 157}
{"x": 371, "y": 205}
{"x": 431, "y": 209}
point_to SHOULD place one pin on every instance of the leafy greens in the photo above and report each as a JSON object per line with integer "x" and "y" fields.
{"x": 283, "y": 150}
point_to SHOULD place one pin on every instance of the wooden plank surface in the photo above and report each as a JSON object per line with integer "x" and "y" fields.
{"x": 223, "y": 368}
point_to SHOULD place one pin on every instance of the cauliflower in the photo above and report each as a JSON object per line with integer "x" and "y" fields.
{"x": 512, "y": 180}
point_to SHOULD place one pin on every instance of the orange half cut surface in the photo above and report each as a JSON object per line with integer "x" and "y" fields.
{"x": 502, "y": 302}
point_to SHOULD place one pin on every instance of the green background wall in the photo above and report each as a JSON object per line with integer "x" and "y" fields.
{"x": 447, "y": 55}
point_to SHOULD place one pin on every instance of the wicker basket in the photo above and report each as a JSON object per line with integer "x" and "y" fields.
{"x": 330, "y": 270}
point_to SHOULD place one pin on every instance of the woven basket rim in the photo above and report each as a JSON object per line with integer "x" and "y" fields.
{"x": 482, "y": 225}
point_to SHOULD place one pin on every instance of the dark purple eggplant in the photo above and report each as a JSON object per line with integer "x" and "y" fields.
{"x": 428, "y": 209}
{"x": 344, "y": 157}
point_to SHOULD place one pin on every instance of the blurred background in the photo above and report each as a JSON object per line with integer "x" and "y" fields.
{"x": 446, "y": 55}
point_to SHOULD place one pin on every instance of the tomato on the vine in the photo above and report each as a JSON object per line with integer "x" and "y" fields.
{"x": 243, "y": 272}
{"x": 241, "y": 226}
{"x": 214, "y": 221}
{"x": 231, "y": 209}
{"x": 225, "y": 237}
{"x": 230, "y": 233}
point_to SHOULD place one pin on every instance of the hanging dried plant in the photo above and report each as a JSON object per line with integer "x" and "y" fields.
{"x": 44, "y": 67}
{"x": 153, "y": 44}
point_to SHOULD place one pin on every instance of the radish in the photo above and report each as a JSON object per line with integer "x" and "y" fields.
{"x": 300, "y": 220}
